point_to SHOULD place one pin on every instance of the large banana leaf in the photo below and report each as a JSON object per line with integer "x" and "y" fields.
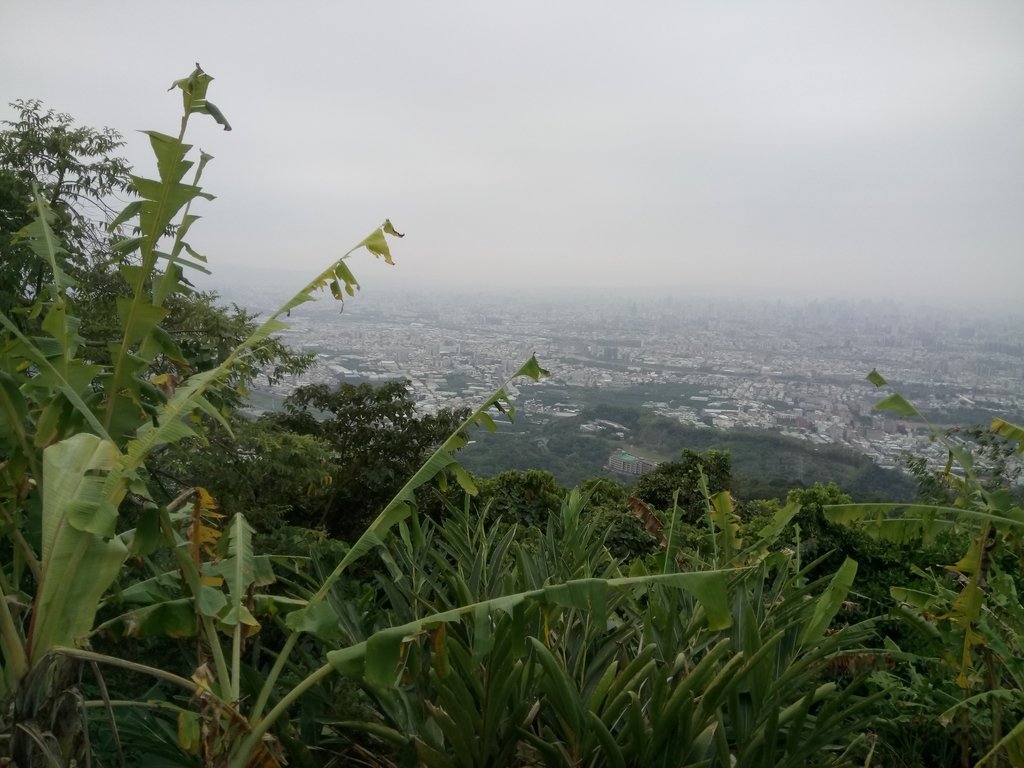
{"x": 376, "y": 658}
{"x": 80, "y": 555}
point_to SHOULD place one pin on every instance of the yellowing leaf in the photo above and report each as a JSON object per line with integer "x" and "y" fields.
{"x": 377, "y": 244}
{"x": 203, "y": 678}
{"x": 343, "y": 273}
{"x": 207, "y": 503}
{"x": 188, "y": 731}
{"x": 1009, "y": 431}
{"x": 441, "y": 664}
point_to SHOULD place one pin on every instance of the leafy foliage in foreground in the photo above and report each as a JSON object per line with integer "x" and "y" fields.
{"x": 968, "y": 628}
{"x": 330, "y": 461}
{"x": 678, "y": 481}
{"x": 76, "y": 435}
{"x": 643, "y": 675}
{"x": 375, "y": 439}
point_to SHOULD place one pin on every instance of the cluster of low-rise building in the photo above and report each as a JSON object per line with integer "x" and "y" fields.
{"x": 796, "y": 369}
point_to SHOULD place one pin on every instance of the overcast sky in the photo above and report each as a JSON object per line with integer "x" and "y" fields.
{"x": 783, "y": 148}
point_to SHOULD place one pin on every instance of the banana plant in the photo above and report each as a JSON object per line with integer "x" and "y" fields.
{"x": 77, "y": 437}
{"x": 75, "y": 434}
{"x": 970, "y": 628}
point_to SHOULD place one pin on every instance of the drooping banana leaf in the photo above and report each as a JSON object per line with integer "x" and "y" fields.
{"x": 80, "y": 555}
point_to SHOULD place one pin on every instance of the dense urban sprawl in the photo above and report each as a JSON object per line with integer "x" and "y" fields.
{"x": 797, "y": 369}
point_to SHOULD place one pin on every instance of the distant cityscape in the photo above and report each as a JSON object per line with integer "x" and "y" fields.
{"x": 798, "y": 369}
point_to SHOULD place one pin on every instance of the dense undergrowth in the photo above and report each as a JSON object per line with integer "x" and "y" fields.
{"x": 470, "y": 622}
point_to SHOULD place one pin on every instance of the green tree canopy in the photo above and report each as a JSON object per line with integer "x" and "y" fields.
{"x": 375, "y": 439}
{"x": 77, "y": 171}
{"x": 528, "y": 498}
{"x": 656, "y": 487}
{"x": 260, "y": 470}
{"x": 817, "y": 535}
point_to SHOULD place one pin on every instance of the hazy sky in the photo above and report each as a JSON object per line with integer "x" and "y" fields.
{"x": 835, "y": 148}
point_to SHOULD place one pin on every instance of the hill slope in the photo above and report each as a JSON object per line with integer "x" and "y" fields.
{"x": 765, "y": 464}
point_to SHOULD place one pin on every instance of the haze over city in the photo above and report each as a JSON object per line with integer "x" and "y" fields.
{"x": 791, "y": 149}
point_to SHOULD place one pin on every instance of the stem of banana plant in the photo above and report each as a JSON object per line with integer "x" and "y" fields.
{"x": 241, "y": 758}
{"x": 219, "y": 661}
{"x": 275, "y": 672}
{"x": 191, "y": 576}
{"x": 236, "y": 663}
{"x": 113, "y": 661}
{"x": 189, "y": 685}
{"x": 147, "y": 252}
{"x": 14, "y": 649}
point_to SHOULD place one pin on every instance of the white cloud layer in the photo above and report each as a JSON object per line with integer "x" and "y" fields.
{"x": 791, "y": 148}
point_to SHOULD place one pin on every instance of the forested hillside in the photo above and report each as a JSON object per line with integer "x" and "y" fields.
{"x": 765, "y": 464}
